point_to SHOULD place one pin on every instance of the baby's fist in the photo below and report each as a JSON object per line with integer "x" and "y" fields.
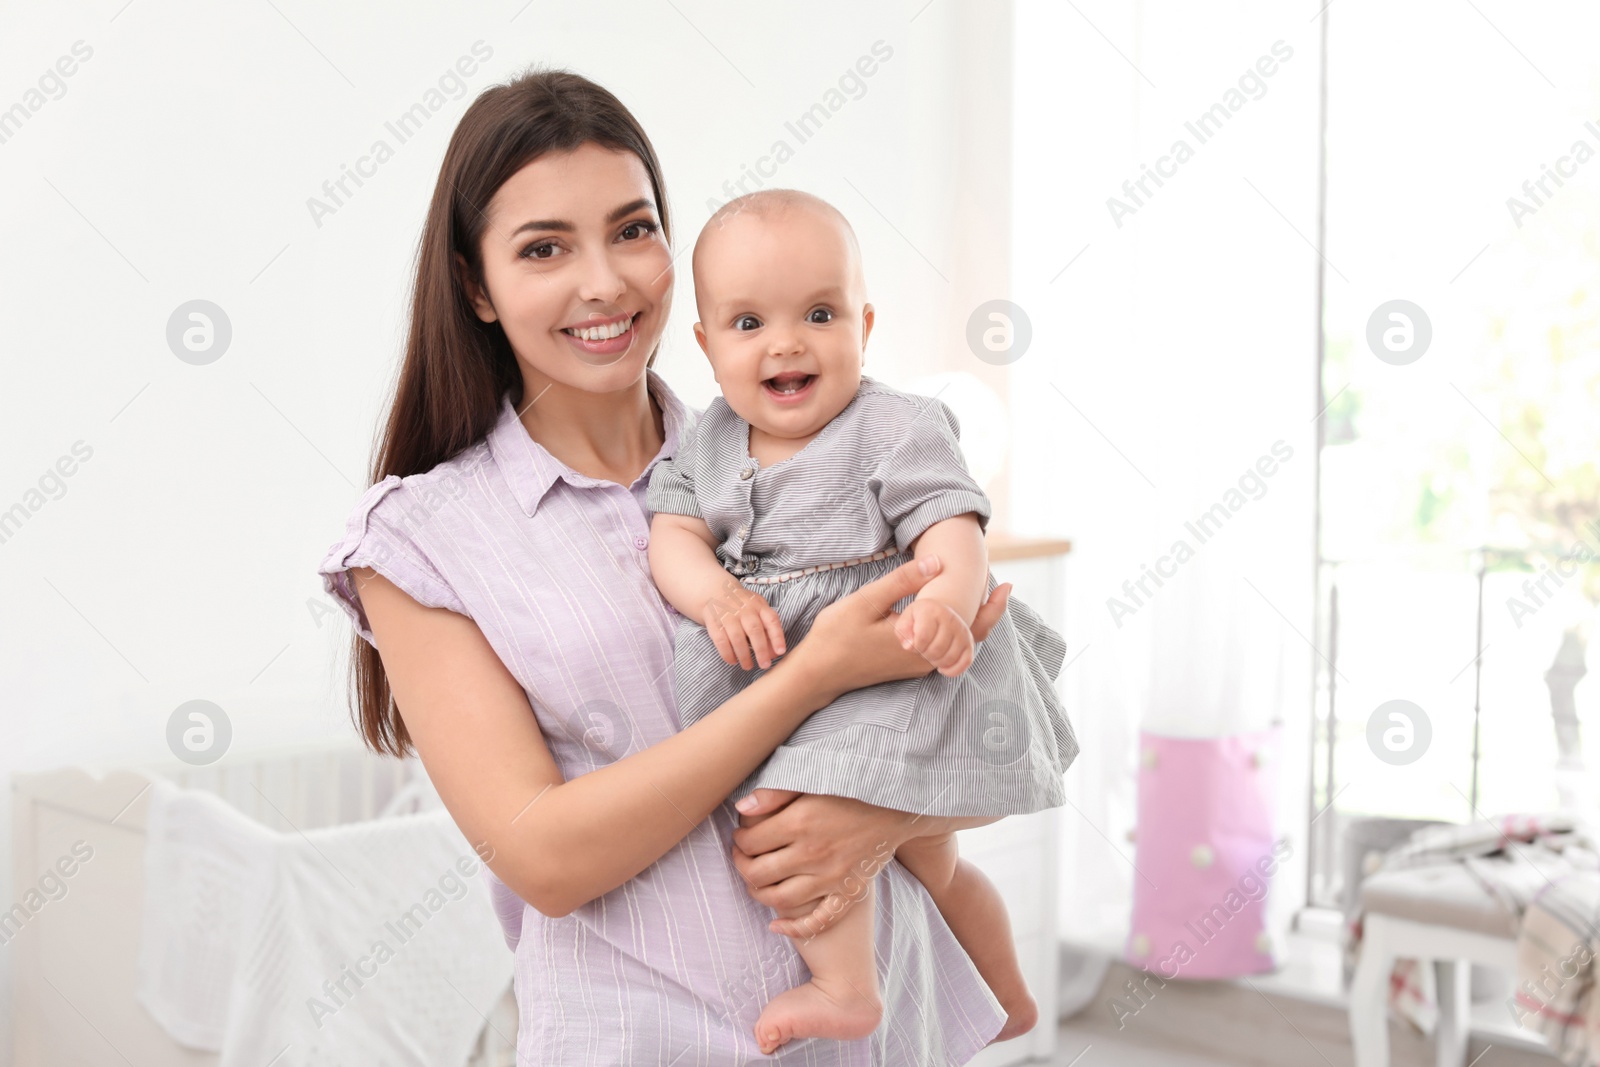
{"x": 939, "y": 634}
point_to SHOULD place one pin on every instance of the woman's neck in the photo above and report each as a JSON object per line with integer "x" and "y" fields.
{"x": 609, "y": 436}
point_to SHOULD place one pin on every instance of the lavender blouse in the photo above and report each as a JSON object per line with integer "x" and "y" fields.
{"x": 673, "y": 967}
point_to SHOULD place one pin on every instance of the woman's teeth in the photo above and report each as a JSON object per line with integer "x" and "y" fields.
{"x": 600, "y": 333}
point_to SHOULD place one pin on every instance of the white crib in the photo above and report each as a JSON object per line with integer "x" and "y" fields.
{"x": 75, "y": 959}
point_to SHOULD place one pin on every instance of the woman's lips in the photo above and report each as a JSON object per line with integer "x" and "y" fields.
{"x": 779, "y": 396}
{"x": 607, "y": 346}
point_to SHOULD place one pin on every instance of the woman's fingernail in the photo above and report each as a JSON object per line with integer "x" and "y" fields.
{"x": 747, "y": 804}
{"x": 928, "y": 564}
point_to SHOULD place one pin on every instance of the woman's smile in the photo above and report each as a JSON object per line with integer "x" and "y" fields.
{"x": 605, "y": 336}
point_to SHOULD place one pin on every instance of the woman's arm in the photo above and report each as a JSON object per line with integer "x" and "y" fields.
{"x": 560, "y": 844}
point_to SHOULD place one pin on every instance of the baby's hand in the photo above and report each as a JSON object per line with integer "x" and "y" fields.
{"x": 938, "y": 633}
{"x": 741, "y": 622}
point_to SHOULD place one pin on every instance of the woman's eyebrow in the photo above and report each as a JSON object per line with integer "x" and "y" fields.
{"x": 563, "y": 226}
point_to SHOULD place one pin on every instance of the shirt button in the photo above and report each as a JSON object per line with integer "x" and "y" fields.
{"x": 640, "y": 542}
{"x": 744, "y": 531}
{"x": 745, "y": 474}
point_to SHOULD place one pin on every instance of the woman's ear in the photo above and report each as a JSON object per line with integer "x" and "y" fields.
{"x": 480, "y": 303}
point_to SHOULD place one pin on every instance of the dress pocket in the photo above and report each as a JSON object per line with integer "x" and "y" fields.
{"x": 886, "y": 706}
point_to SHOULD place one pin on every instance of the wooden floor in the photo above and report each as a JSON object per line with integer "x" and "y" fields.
{"x": 1244, "y": 1024}
{"x": 1084, "y": 1048}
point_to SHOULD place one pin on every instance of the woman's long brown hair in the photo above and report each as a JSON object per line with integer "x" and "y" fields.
{"x": 456, "y": 366}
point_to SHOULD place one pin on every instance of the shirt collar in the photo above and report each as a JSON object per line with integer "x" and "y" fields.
{"x": 531, "y": 471}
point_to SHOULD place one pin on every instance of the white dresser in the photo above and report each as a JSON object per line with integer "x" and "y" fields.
{"x": 1020, "y": 853}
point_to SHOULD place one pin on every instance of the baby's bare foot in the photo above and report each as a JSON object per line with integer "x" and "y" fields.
{"x": 818, "y": 1009}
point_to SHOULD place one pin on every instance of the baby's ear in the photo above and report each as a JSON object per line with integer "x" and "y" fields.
{"x": 868, "y": 316}
{"x": 700, "y": 335}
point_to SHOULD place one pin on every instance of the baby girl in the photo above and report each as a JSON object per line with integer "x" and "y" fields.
{"x": 802, "y": 483}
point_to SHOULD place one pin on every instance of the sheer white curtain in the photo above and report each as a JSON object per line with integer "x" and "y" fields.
{"x": 1168, "y": 395}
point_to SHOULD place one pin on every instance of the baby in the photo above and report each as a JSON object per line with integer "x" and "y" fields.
{"x": 803, "y": 482}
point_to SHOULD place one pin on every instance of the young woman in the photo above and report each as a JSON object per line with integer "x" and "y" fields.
{"x": 509, "y": 631}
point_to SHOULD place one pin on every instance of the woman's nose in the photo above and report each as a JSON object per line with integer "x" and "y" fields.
{"x": 601, "y": 280}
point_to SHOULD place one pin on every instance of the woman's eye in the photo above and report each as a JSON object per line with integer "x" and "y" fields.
{"x": 820, "y": 315}
{"x": 746, "y": 322}
{"x": 539, "y": 250}
{"x": 635, "y": 230}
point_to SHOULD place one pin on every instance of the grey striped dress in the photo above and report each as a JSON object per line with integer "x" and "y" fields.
{"x": 993, "y": 741}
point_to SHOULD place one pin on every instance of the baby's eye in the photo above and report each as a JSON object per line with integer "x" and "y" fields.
{"x": 820, "y": 315}
{"x": 746, "y": 322}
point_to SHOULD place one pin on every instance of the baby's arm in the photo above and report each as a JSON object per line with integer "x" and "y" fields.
{"x": 934, "y": 506}
{"x": 959, "y": 544}
{"x": 683, "y": 562}
{"x": 937, "y": 624}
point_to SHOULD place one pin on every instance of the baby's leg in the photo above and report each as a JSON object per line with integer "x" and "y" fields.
{"x": 976, "y": 914}
{"x": 841, "y": 1001}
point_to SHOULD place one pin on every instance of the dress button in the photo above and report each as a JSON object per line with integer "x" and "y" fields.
{"x": 641, "y": 542}
{"x": 745, "y": 474}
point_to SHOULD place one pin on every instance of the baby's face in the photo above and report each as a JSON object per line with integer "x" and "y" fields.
{"x": 783, "y": 317}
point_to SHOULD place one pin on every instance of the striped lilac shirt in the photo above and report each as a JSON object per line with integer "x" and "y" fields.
{"x": 673, "y": 967}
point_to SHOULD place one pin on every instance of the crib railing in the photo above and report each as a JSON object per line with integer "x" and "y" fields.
{"x": 310, "y": 787}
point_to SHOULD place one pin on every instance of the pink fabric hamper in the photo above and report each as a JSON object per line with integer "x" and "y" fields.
{"x": 1205, "y": 855}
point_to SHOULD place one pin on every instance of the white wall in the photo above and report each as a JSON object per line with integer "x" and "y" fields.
{"x": 1169, "y": 353}
{"x": 177, "y": 561}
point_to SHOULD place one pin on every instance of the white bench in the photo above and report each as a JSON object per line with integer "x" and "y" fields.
{"x": 1438, "y": 916}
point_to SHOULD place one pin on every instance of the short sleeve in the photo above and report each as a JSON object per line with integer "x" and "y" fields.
{"x": 923, "y": 478}
{"x": 671, "y": 489}
{"x": 375, "y": 536}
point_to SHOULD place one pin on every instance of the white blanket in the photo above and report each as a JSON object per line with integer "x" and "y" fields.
{"x": 367, "y": 943}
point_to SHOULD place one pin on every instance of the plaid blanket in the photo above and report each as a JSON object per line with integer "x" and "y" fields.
{"x": 1517, "y": 861}
{"x": 1556, "y": 961}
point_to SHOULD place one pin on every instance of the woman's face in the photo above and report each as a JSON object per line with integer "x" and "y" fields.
{"x": 577, "y": 270}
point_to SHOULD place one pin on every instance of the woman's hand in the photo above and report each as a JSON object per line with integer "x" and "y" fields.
{"x": 796, "y": 849}
{"x": 853, "y": 643}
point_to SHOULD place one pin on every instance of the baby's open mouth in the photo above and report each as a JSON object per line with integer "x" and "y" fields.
{"x": 788, "y": 383}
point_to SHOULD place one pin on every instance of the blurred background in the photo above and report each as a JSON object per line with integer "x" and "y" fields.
{"x": 1305, "y": 288}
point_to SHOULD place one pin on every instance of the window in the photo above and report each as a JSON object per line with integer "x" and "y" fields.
{"x": 1460, "y": 447}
